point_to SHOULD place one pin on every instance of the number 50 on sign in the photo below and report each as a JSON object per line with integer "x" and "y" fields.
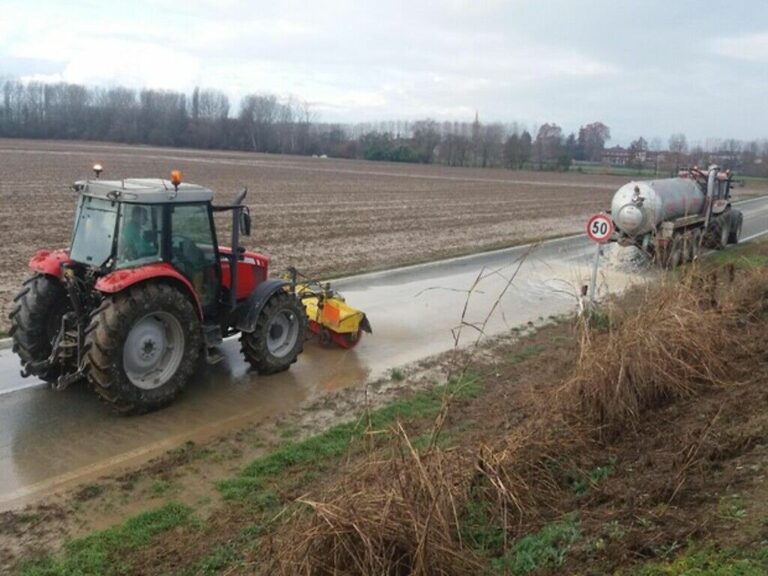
{"x": 600, "y": 228}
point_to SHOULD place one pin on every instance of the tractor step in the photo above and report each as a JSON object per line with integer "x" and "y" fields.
{"x": 212, "y": 335}
{"x": 213, "y": 356}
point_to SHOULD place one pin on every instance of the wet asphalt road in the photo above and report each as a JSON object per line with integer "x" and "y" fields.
{"x": 51, "y": 441}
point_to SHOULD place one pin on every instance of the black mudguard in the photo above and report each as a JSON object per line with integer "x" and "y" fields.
{"x": 246, "y": 313}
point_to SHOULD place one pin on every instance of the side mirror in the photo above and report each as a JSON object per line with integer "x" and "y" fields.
{"x": 245, "y": 223}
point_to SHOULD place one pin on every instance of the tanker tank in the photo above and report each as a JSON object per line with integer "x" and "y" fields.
{"x": 640, "y": 207}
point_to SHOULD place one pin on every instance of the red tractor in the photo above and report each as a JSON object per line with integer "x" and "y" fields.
{"x": 145, "y": 290}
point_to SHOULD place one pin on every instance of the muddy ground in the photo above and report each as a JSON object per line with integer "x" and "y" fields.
{"x": 327, "y": 217}
{"x": 687, "y": 480}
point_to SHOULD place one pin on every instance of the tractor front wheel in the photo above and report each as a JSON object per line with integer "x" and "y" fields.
{"x": 278, "y": 339}
{"x": 719, "y": 231}
{"x": 737, "y": 223}
{"x": 143, "y": 346}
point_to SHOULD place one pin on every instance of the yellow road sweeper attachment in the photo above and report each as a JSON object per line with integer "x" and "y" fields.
{"x": 330, "y": 317}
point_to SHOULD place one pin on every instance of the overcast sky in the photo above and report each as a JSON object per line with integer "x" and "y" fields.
{"x": 650, "y": 67}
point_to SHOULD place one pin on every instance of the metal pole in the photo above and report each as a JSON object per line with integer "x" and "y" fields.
{"x": 593, "y": 284}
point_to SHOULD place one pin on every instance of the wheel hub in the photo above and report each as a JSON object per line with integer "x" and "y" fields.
{"x": 153, "y": 350}
{"x": 282, "y": 333}
{"x": 276, "y": 331}
{"x": 149, "y": 349}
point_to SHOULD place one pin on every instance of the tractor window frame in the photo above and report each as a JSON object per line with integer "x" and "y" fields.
{"x": 73, "y": 250}
{"x": 211, "y": 309}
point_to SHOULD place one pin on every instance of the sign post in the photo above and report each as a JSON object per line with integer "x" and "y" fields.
{"x": 599, "y": 230}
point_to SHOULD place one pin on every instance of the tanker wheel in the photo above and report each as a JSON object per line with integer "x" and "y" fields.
{"x": 278, "y": 338}
{"x": 36, "y": 320}
{"x": 143, "y": 345}
{"x": 737, "y": 224}
{"x": 695, "y": 243}
{"x": 688, "y": 249}
{"x": 675, "y": 257}
{"x": 720, "y": 231}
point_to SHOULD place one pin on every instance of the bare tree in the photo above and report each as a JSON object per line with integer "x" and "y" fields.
{"x": 258, "y": 113}
{"x": 548, "y": 144}
{"x": 591, "y": 141}
{"x": 638, "y": 152}
{"x": 678, "y": 145}
{"x": 426, "y": 137}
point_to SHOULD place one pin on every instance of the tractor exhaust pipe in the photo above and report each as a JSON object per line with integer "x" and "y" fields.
{"x": 237, "y": 210}
{"x": 235, "y": 256}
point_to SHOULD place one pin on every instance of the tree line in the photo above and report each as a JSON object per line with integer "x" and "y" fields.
{"x": 265, "y": 123}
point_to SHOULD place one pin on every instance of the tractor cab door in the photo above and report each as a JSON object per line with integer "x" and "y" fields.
{"x": 193, "y": 252}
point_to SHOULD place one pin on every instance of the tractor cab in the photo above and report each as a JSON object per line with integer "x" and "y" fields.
{"x": 128, "y": 225}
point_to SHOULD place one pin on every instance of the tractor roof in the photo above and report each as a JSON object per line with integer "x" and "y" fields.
{"x": 143, "y": 191}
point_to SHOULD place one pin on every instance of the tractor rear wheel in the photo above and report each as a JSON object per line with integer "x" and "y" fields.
{"x": 143, "y": 344}
{"x": 737, "y": 223}
{"x": 36, "y": 321}
{"x": 278, "y": 338}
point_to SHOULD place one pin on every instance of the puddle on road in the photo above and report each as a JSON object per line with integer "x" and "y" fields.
{"x": 50, "y": 441}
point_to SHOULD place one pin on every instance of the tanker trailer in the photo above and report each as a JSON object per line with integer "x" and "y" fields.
{"x": 673, "y": 218}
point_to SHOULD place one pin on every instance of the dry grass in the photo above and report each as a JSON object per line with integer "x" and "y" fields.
{"x": 524, "y": 475}
{"x": 683, "y": 335}
{"x": 397, "y": 515}
{"x": 402, "y": 513}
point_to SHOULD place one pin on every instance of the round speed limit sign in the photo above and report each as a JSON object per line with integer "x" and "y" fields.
{"x": 600, "y": 228}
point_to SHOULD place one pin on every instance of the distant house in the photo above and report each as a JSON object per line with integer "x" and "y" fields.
{"x": 616, "y": 156}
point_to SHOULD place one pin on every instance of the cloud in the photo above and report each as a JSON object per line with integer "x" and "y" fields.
{"x": 751, "y": 47}
{"x": 367, "y": 60}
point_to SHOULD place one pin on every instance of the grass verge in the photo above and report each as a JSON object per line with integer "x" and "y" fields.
{"x": 334, "y": 442}
{"x": 707, "y": 561}
{"x": 107, "y": 552}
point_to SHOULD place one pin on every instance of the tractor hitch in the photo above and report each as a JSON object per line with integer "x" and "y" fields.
{"x": 65, "y": 380}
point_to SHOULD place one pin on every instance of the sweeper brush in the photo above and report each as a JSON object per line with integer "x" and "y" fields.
{"x": 330, "y": 317}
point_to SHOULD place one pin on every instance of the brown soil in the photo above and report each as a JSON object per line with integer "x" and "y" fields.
{"x": 324, "y": 216}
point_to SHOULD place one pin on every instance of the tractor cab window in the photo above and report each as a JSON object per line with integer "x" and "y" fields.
{"x": 192, "y": 249}
{"x": 138, "y": 239}
{"x": 94, "y": 231}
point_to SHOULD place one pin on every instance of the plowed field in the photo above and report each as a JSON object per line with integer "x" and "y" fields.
{"x": 324, "y": 216}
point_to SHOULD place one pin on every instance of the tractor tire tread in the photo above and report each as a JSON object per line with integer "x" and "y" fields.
{"x": 253, "y": 344}
{"x": 109, "y": 326}
{"x": 40, "y": 296}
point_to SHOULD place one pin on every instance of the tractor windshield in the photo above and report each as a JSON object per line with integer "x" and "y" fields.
{"x": 94, "y": 232}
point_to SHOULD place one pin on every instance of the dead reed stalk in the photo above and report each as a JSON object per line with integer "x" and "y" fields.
{"x": 678, "y": 338}
{"x": 392, "y": 516}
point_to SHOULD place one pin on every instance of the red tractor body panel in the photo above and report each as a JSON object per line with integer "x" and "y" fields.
{"x": 119, "y": 280}
{"x": 48, "y": 262}
{"x": 252, "y": 270}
